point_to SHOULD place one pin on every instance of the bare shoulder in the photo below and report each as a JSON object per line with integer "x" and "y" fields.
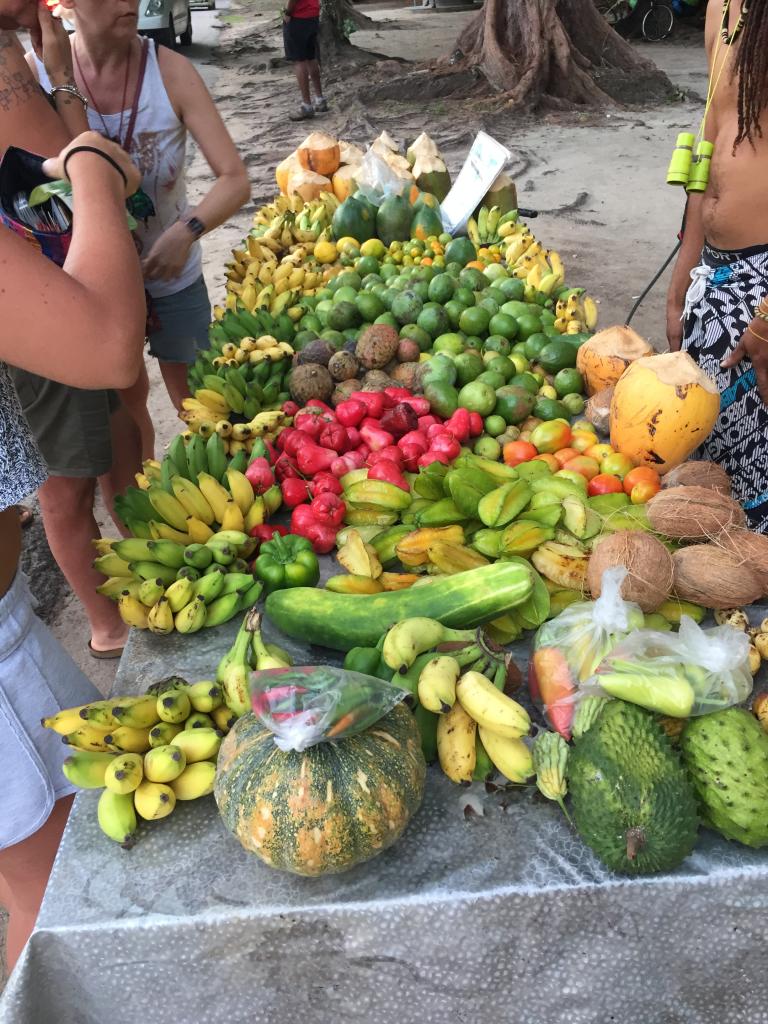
{"x": 180, "y": 77}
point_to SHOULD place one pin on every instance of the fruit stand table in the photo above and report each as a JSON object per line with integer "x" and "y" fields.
{"x": 502, "y": 917}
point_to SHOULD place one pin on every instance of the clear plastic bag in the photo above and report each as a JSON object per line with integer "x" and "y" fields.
{"x": 319, "y": 703}
{"x": 568, "y": 649}
{"x": 692, "y": 672}
{"x": 376, "y": 180}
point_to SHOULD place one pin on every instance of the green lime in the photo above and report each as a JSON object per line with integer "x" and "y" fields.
{"x": 535, "y": 344}
{"x": 417, "y": 334}
{"x": 425, "y": 273}
{"x": 527, "y": 381}
{"x": 472, "y": 278}
{"x": 388, "y": 271}
{"x": 449, "y": 343}
{"x": 454, "y": 269}
{"x": 472, "y": 341}
{"x": 557, "y": 355}
{"x": 441, "y": 288}
{"x": 503, "y": 324}
{"x": 468, "y": 367}
{"x": 514, "y": 308}
{"x": 351, "y": 279}
{"x": 406, "y": 307}
{"x": 503, "y": 366}
{"x": 487, "y": 447}
{"x": 335, "y": 338}
{"x": 386, "y": 318}
{"x": 454, "y": 310}
{"x": 310, "y": 322}
{"x": 528, "y": 325}
{"x": 478, "y": 397}
{"x": 493, "y": 379}
{"x": 434, "y": 320}
{"x": 371, "y": 281}
{"x": 370, "y": 305}
{"x": 497, "y": 295}
{"x": 345, "y": 294}
{"x": 475, "y": 320}
{"x": 343, "y": 316}
{"x": 420, "y": 288}
{"x": 465, "y": 296}
{"x": 495, "y": 272}
{"x": 490, "y": 304}
{"x": 304, "y": 338}
{"x": 512, "y": 287}
{"x": 574, "y": 404}
{"x": 496, "y": 342}
{"x": 550, "y": 409}
{"x": 367, "y": 265}
{"x": 513, "y": 403}
{"x": 568, "y": 382}
{"x": 495, "y": 425}
{"x": 323, "y": 294}
{"x": 547, "y": 317}
{"x": 443, "y": 398}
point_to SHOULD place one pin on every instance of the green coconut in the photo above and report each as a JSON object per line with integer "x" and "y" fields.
{"x": 432, "y": 175}
{"x": 502, "y": 193}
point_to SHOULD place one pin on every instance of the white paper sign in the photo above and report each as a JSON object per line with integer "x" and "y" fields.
{"x": 485, "y": 161}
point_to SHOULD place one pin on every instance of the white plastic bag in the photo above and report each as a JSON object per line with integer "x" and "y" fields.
{"x": 314, "y": 704}
{"x": 376, "y": 180}
{"x": 568, "y": 649}
{"x": 692, "y": 672}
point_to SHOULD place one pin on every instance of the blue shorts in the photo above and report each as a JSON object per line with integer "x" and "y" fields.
{"x": 184, "y": 320}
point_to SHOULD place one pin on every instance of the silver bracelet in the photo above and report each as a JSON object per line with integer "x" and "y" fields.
{"x": 73, "y": 91}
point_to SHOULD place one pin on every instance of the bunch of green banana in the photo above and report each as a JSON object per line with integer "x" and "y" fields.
{"x": 491, "y": 226}
{"x": 146, "y": 752}
{"x": 162, "y": 585}
{"x": 197, "y": 489}
{"x": 249, "y": 652}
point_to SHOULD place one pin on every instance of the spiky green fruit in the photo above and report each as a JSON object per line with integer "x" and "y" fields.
{"x": 726, "y": 754}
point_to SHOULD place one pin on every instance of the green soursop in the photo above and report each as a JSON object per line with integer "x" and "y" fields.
{"x": 726, "y": 754}
{"x": 633, "y": 803}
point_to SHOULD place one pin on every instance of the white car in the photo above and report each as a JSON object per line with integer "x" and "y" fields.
{"x": 165, "y": 21}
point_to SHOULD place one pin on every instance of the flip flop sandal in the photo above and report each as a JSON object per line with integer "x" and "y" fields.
{"x": 110, "y": 655}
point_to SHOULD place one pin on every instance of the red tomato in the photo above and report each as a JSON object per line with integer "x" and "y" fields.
{"x": 604, "y": 483}
{"x": 550, "y": 460}
{"x": 641, "y": 474}
{"x": 564, "y": 455}
{"x": 515, "y": 452}
{"x": 584, "y": 465}
{"x": 643, "y": 491}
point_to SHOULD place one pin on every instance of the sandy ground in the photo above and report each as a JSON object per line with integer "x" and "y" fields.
{"x": 598, "y": 181}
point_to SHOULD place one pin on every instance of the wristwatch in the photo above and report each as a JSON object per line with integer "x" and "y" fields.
{"x": 196, "y": 226}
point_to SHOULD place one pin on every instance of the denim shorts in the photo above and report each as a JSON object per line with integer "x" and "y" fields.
{"x": 184, "y": 321}
{"x": 37, "y": 679}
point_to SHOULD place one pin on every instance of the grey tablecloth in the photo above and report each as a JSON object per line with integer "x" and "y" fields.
{"x": 500, "y": 918}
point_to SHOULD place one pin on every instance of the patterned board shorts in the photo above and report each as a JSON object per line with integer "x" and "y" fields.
{"x": 721, "y": 302}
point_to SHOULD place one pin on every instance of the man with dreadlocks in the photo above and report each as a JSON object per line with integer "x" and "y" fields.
{"x": 717, "y": 306}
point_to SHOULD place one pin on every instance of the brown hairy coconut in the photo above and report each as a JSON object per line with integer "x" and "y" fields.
{"x": 648, "y": 565}
{"x": 750, "y": 549}
{"x": 693, "y": 513}
{"x": 708, "y": 575}
{"x": 698, "y": 474}
{"x": 377, "y": 345}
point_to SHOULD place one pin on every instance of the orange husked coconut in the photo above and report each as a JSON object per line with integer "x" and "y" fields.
{"x": 319, "y": 153}
{"x": 283, "y": 172}
{"x": 307, "y": 184}
{"x": 604, "y": 358}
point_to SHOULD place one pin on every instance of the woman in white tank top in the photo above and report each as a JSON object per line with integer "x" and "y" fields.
{"x": 150, "y": 116}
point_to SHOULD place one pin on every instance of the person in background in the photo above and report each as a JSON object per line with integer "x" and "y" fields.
{"x": 301, "y": 31}
{"x": 717, "y": 304}
{"x": 98, "y": 332}
{"x": 85, "y": 436}
{"x": 148, "y": 99}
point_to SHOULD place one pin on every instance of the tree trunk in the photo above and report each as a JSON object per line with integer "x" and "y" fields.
{"x": 560, "y": 54}
{"x": 336, "y": 17}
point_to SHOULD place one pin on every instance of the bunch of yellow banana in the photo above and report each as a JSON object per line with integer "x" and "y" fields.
{"x": 481, "y": 728}
{"x": 265, "y": 215}
{"x": 491, "y": 226}
{"x": 173, "y": 584}
{"x": 575, "y": 312}
{"x": 203, "y": 408}
{"x": 145, "y": 753}
{"x": 253, "y": 350}
{"x": 542, "y": 270}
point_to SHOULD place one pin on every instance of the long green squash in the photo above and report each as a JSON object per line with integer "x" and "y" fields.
{"x": 344, "y": 621}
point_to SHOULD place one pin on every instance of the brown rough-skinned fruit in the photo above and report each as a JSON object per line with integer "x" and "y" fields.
{"x": 343, "y": 366}
{"x": 376, "y": 380}
{"x": 310, "y": 381}
{"x": 343, "y": 390}
{"x": 408, "y": 351}
{"x": 318, "y": 351}
{"x": 407, "y": 376}
{"x": 377, "y": 345}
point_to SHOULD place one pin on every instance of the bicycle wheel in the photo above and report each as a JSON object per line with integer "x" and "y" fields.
{"x": 657, "y": 23}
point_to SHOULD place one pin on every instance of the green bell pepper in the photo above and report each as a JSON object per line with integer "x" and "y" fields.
{"x": 286, "y": 562}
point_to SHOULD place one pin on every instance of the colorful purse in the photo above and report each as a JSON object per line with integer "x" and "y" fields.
{"x": 42, "y": 226}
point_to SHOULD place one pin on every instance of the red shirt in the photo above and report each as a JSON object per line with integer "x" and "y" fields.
{"x": 306, "y": 9}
